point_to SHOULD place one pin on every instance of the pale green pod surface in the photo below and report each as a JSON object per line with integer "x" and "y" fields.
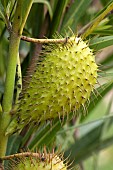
{"x": 62, "y": 83}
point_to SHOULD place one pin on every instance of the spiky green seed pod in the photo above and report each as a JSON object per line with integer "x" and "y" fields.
{"x": 62, "y": 83}
{"x": 39, "y": 162}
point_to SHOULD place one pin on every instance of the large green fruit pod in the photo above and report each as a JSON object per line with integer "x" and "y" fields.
{"x": 62, "y": 83}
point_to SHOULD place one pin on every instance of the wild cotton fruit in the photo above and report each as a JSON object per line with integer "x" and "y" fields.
{"x": 62, "y": 83}
{"x": 37, "y": 161}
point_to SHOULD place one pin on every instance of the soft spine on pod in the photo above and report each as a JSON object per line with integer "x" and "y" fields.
{"x": 62, "y": 83}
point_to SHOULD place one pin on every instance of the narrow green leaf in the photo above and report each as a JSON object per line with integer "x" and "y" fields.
{"x": 45, "y": 135}
{"x": 107, "y": 75}
{"x": 103, "y": 32}
{"x": 101, "y": 92}
{"x": 48, "y": 132}
{"x": 2, "y": 12}
{"x": 47, "y": 4}
{"x": 72, "y": 17}
{"x": 56, "y": 21}
{"x": 101, "y": 42}
{"x": 93, "y": 123}
{"x": 93, "y": 24}
{"x": 1, "y": 88}
{"x": 14, "y": 142}
{"x": 104, "y": 2}
{"x": 91, "y": 142}
{"x": 107, "y": 63}
{"x": 87, "y": 145}
{"x": 25, "y": 10}
{"x": 77, "y": 151}
{"x": 96, "y": 98}
{"x": 27, "y": 136}
{"x": 4, "y": 3}
{"x": 107, "y": 123}
{"x": 8, "y": 8}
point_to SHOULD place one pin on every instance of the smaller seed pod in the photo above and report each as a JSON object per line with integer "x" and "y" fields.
{"x": 37, "y": 161}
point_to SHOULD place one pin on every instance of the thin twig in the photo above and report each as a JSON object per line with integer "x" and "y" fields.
{"x": 30, "y": 154}
{"x": 45, "y": 41}
{"x": 19, "y": 155}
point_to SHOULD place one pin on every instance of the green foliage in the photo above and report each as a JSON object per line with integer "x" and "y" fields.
{"x": 82, "y": 137}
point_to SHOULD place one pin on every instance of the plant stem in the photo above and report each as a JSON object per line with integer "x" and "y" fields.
{"x": 19, "y": 155}
{"x": 10, "y": 78}
{"x": 14, "y": 42}
{"x": 45, "y": 41}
